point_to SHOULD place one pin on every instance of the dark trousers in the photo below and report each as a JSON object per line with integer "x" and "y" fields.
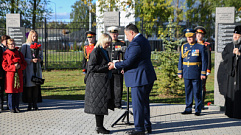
{"x": 1, "y": 93}
{"x": 32, "y": 95}
{"x": 13, "y": 100}
{"x": 99, "y": 120}
{"x": 141, "y": 107}
{"x": 193, "y": 88}
{"x": 117, "y": 86}
{"x": 204, "y": 90}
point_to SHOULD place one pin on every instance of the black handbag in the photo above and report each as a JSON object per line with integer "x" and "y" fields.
{"x": 37, "y": 80}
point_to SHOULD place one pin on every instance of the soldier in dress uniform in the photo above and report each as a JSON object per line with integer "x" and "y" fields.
{"x": 88, "y": 49}
{"x": 200, "y": 33}
{"x": 192, "y": 67}
{"x": 116, "y": 53}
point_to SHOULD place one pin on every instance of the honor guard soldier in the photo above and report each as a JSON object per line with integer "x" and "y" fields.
{"x": 200, "y": 33}
{"x": 116, "y": 53}
{"x": 192, "y": 67}
{"x": 88, "y": 49}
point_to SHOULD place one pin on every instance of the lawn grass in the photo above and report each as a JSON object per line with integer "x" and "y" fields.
{"x": 69, "y": 84}
{"x": 63, "y": 84}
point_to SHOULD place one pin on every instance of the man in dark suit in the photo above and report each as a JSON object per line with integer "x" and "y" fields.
{"x": 140, "y": 76}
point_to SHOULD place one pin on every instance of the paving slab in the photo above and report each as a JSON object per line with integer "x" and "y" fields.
{"x": 67, "y": 117}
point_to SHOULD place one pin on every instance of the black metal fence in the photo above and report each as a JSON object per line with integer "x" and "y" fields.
{"x": 62, "y": 43}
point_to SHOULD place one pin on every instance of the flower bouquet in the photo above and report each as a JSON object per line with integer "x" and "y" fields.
{"x": 16, "y": 77}
{"x": 35, "y": 48}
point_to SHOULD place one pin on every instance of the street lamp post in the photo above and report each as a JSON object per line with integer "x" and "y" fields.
{"x": 90, "y": 18}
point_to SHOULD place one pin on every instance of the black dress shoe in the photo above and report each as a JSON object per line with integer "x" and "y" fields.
{"x": 186, "y": 112}
{"x": 29, "y": 108}
{"x": 134, "y": 132}
{"x": 35, "y": 109}
{"x": 102, "y": 130}
{"x": 17, "y": 110}
{"x": 197, "y": 113}
{"x": 149, "y": 131}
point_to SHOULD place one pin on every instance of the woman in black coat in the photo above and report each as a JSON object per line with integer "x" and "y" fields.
{"x": 98, "y": 95}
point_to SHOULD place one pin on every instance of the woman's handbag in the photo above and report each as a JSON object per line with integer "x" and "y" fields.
{"x": 37, "y": 80}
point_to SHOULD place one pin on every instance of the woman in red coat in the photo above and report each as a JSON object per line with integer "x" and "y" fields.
{"x": 14, "y": 64}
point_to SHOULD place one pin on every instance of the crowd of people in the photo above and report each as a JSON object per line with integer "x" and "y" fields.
{"x": 18, "y": 68}
{"x": 104, "y": 61}
{"x": 107, "y": 61}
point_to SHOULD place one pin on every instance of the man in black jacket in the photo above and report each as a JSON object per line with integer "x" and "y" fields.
{"x": 116, "y": 53}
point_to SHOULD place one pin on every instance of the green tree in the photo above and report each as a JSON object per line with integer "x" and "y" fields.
{"x": 169, "y": 83}
{"x": 79, "y": 15}
{"x": 31, "y": 11}
{"x": 152, "y": 13}
{"x": 37, "y": 11}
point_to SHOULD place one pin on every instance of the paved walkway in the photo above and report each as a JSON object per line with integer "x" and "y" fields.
{"x": 66, "y": 117}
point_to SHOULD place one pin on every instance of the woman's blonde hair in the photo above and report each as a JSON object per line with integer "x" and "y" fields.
{"x": 29, "y": 40}
{"x": 103, "y": 39}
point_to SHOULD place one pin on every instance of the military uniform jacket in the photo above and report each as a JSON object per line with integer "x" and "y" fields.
{"x": 208, "y": 50}
{"x": 116, "y": 52}
{"x": 87, "y": 50}
{"x": 192, "y": 61}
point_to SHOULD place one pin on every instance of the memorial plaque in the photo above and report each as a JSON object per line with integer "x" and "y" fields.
{"x": 18, "y": 34}
{"x": 12, "y": 20}
{"x": 112, "y": 18}
{"x": 225, "y": 14}
{"x": 225, "y": 35}
{"x": 224, "y": 26}
{"x": 121, "y": 33}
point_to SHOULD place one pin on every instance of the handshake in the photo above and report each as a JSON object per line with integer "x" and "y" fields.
{"x": 111, "y": 65}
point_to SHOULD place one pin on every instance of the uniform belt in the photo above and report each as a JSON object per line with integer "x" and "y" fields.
{"x": 192, "y": 63}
